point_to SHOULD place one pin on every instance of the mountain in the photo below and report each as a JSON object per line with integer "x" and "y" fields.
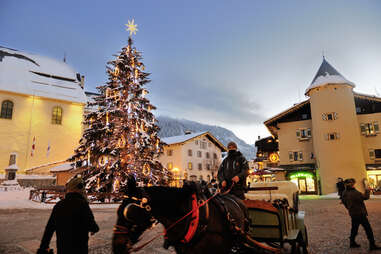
{"x": 174, "y": 127}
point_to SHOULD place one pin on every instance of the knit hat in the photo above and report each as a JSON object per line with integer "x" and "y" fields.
{"x": 75, "y": 184}
{"x": 232, "y": 144}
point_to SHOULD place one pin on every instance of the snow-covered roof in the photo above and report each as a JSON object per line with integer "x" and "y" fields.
{"x": 30, "y": 74}
{"x": 183, "y": 138}
{"x": 63, "y": 167}
{"x": 327, "y": 75}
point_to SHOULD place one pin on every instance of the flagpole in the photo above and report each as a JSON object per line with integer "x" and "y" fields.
{"x": 29, "y": 136}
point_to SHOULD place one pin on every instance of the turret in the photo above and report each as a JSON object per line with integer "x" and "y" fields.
{"x": 335, "y": 132}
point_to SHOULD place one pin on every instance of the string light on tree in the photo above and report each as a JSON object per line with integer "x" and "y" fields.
{"x": 122, "y": 133}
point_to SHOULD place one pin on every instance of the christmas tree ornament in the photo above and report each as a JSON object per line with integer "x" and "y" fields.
{"x": 122, "y": 136}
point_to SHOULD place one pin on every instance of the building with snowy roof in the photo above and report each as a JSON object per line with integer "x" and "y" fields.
{"x": 42, "y": 103}
{"x": 334, "y": 133}
{"x": 192, "y": 156}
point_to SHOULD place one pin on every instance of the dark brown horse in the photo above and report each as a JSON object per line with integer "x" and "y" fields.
{"x": 190, "y": 226}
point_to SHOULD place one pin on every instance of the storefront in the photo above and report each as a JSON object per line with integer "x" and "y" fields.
{"x": 374, "y": 177}
{"x": 306, "y": 181}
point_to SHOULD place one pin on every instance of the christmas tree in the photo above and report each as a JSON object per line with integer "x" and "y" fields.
{"x": 121, "y": 138}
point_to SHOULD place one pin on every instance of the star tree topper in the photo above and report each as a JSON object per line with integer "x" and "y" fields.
{"x": 131, "y": 27}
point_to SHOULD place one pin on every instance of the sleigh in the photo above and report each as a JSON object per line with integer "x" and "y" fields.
{"x": 275, "y": 216}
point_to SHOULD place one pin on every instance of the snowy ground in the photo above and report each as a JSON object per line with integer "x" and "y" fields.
{"x": 20, "y": 199}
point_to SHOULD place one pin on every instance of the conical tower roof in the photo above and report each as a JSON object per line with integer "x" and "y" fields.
{"x": 327, "y": 74}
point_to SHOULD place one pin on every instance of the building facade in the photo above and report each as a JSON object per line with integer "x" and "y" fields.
{"x": 42, "y": 102}
{"x": 193, "y": 156}
{"x": 335, "y": 133}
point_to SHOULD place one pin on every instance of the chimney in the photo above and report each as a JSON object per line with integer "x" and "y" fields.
{"x": 82, "y": 82}
{"x": 187, "y": 132}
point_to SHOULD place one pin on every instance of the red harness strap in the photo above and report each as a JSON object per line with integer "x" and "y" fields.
{"x": 194, "y": 222}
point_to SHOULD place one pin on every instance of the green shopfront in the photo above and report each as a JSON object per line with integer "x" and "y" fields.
{"x": 305, "y": 180}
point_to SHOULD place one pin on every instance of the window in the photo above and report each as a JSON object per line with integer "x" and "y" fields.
{"x": 374, "y": 154}
{"x": 207, "y": 155}
{"x": 199, "y": 154}
{"x": 12, "y": 159}
{"x": 209, "y": 144}
{"x": 295, "y": 156}
{"x": 370, "y": 129}
{"x": 169, "y": 152}
{"x": 190, "y": 153}
{"x": 196, "y": 142}
{"x": 214, "y": 156}
{"x": 329, "y": 116}
{"x": 200, "y": 177}
{"x": 57, "y": 115}
{"x": 170, "y": 165}
{"x": 203, "y": 145}
{"x": 332, "y": 136}
{"x": 199, "y": 166}
{"x": 190, "y": 165}
{"x": 304, "y": 116}
{"x": 6, "y": 109}
{"x": 303, "y": 134}
{"x": 358, "y": 109}
{"x": 208, "y": 166}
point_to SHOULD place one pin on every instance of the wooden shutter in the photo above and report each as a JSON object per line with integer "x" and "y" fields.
{"x": 337, "y": 135}
{"x": 362, "y": 128}
{"x": 309, "y": 133}
{"x": 376, "y": 127}
{"x": 290, "y": 156}
{"x": 335, "y": 116}
{"x": 298, "y": 133}
{"x": 324, "y": 116}
{"x": 371, "y": 154}
{"x": 326, "y": 136}
{"x": 300, "y": 156}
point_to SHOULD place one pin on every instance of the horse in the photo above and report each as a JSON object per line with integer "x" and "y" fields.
{"x": 194, "y": 221}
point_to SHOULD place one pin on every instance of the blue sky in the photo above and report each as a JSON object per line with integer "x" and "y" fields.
{"x": 223, "y": 62}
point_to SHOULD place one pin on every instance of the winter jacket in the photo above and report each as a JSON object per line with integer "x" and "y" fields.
{"x": 233, "y": 165}
{"x": 353, "y": 200}
{"x": 72, "y": 220}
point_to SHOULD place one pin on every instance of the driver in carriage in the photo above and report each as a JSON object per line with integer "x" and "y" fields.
{"x": 234, "y": 170}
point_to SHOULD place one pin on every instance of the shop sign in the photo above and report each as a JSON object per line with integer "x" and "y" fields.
{"x": 301, "y": 174}
{"x": 274, "y": 157}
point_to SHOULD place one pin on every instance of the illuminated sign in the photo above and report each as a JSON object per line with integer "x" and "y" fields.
{"x": 274, "y": 157}
{"x": 301, "y": 174}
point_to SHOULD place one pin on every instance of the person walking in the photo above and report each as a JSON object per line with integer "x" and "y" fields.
{"x": 340, "y": 187}
{"x": 353, "y": 200}
{"x": 234, "y": 169}
{"x": 72, "y": 220}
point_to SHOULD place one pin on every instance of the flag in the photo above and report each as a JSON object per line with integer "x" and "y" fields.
{"x": 33, "y": 146}
{"x": 48, "y": 150}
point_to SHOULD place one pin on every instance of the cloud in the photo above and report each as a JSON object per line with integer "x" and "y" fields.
{"x": 211, "y": 103}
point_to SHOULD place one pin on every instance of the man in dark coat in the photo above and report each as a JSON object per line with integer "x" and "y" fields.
{"x": 234, "y": 169}
{"x": 72, "y": 220}
{"x": 340, "y": 187}
{"x": 354, "y": 202}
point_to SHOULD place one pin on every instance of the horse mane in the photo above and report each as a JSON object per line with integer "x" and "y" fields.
{"x": 169, "y": 199}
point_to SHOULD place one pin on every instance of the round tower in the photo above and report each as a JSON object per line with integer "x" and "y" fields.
{"x": 335, "y": 129}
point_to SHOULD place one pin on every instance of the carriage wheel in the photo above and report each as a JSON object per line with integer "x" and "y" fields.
{"x": 300, "y": 246}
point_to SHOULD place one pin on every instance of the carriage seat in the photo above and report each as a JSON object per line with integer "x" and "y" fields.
{"x": 286, "y": 190}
